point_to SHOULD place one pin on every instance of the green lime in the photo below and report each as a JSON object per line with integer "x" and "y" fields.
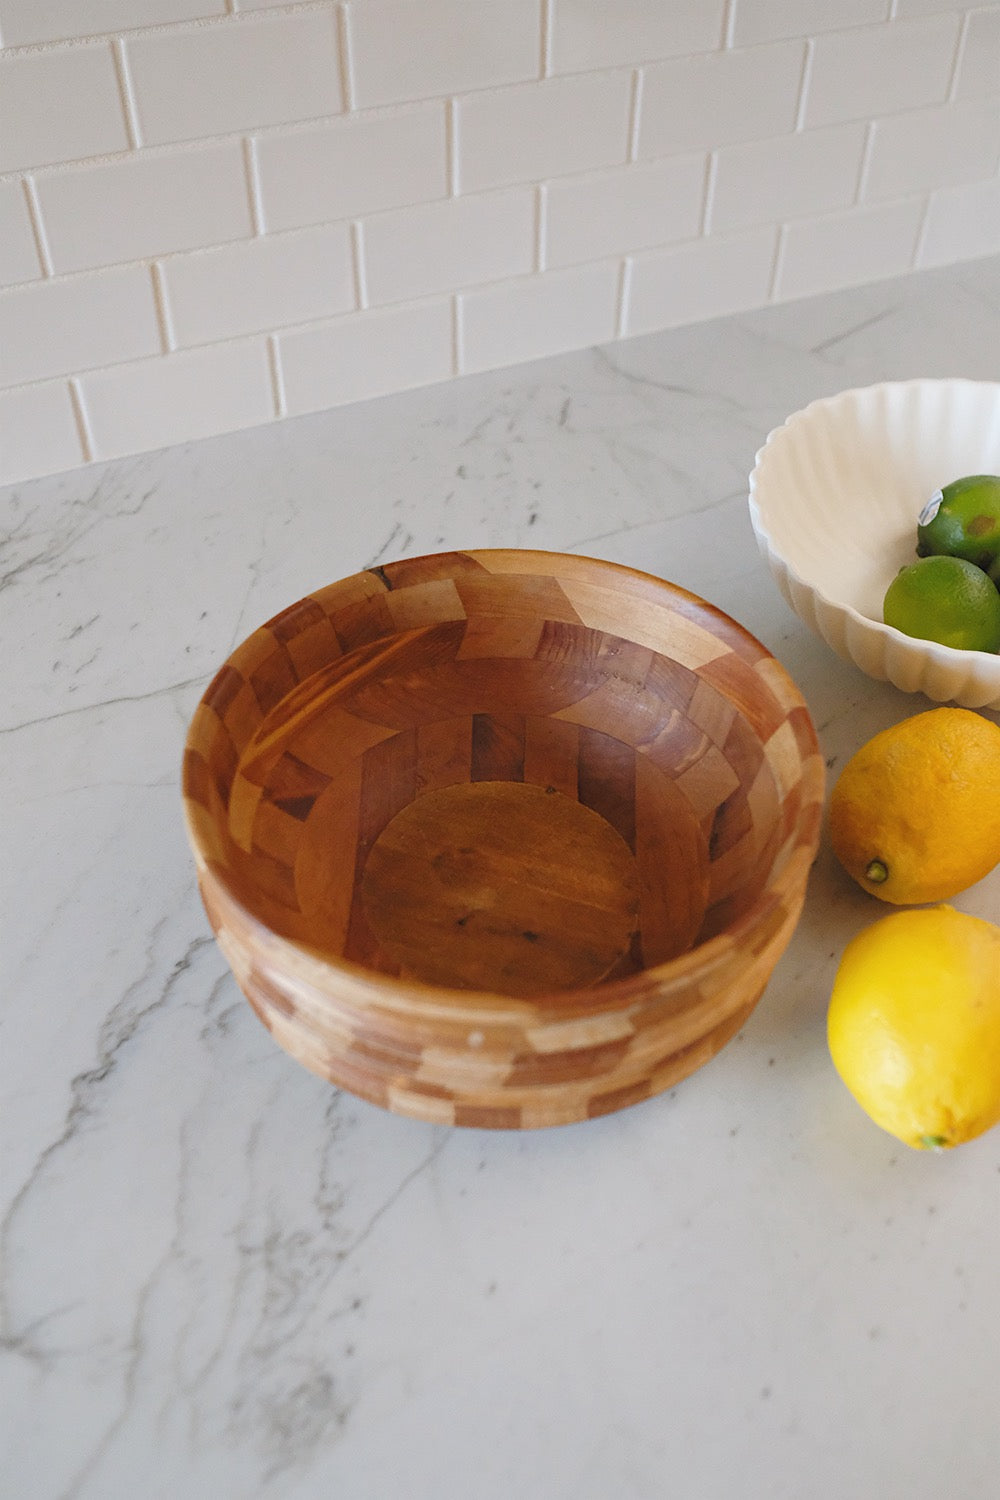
{"x": 948, "y": 600}
{"x": 963, "y": 520}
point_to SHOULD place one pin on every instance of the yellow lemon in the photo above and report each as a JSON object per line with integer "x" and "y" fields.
{"x": 915, "y": 813}
{"x": 914, "y": 1025}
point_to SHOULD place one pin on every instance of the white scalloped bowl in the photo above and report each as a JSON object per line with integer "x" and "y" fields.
{"x": 834, "y": 498}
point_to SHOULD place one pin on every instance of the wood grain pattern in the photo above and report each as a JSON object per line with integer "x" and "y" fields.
{"x": 502, "y": 839}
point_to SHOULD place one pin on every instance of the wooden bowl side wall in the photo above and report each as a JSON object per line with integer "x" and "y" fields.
{"x": 753, "y": 777}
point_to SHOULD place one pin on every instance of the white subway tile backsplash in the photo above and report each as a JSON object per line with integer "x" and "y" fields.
{"x": 400, "y": 51}
{"x": 56, "y": 327}
{"x": 595, "y": 34}
{"x": 235, "y": 75}
{"x": 26, "y": 21}
{"x": 366, "y": 355}
{"x": 701, "y": 102}
{"x": 547, "y": 314}
{"x": 260, "y": 284}
{"x": 18, "y": 253}
{"x": 356, "y": 165}
{"x": 39, "y": 430}
{"x": 767, "y": 20}
{"x": 414, "y": 252}
{"x": 878, "y": 70}
{"x": 844, "y": 249}
{"x": 979, "y": 65}
{"x": 932, "y": 148}
{"x": 55, "y": 106}
{"x": 909, "y": 8}
{"x": 634, "y": 208}
{"x": 703, "y": 279}
{"x": 962, "y": 223}
{"x": 180, "y": 397}
{"x": 536, "y": 130}
{"x": 764, "y": 182}
{"x": 145, "y": 205}
{"x": 319, "y": 201}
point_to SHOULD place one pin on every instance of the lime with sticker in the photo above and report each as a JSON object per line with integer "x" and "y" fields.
{"x": 963, "y": 520}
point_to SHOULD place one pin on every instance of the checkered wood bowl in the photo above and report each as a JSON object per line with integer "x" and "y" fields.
{"x": 502, "y": 838}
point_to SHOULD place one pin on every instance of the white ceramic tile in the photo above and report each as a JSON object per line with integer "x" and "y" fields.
{"x": 979, "y": 65}
{"x": 18, "y": 253}
{"x": 932, "y": 148}
{"x": 703, "y": 279}
{"x": 24, "y": 21}
{"x": 633, "y": 208}
{"x": 400, "y": 50}
{"x": 353, "y": 166}
{"x": 705, "y": 101}
{"x": 56, "y": 106}
{"x": 963, "y": 223}
{"x": 877, "y": 70}
{"x": 845, "y": 249}
{"x": 766, "y": 20}
{"x": 906, "y": 8}
{"x": 598, "y": 34}
{"x": 545, "y": 315}
{"x": 536, "y": 130}
{"x": 369, "y": 354}
{"x": 144, "y": 206}
{"x": 259, "y": 284}
{"x": 437, "y": 247}
{"x": 39, "y": 432}
{"x": 763, "y": 182}
{"x": 59, "y": 326}
{"x": 235, "y": 75}
{"x": 177, "y": 398}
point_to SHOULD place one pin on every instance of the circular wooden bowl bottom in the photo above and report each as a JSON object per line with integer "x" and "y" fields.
{"x": 504, "y": 839}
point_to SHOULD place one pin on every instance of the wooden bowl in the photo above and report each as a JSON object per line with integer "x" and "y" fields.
{"x": 502, "y": 838}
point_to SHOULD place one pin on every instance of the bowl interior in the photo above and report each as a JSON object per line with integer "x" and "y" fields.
{"x": 510, "y": 772}
{"x": 839, "y": 487}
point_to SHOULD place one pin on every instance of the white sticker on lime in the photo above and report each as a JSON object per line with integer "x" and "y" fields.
{"x": 931, "y": 509}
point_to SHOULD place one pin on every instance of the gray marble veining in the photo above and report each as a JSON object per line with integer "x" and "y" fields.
{"x": 222, "y": 1278}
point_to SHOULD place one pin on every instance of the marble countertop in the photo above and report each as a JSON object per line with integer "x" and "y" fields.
{"x": 222, "y": 1278}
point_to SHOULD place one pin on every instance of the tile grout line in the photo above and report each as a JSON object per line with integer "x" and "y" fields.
{"x": 126, "y": 90}
{"x": 777, "y": 264}
{"x": 635, "y": 111}
{"x": 545, "y": 40}
{"x": 457, "y": 334}
{"x": 956, "y": 62}
{"x": 251, "y": 170}
{"x": 541, "y": 224}
{"x": 922, "y": 231}
{"x": 451, "y": 148}
{"x": 358, "y": 259}
{"x": 728, "y": 25}
{"x": 162, "y": 301}
{"x": 37, "y": 224}
{"x": 711, "y": 172}
{"x": 277, "y": 377}
{"x": 804, "y": 82}
{"x": 624, "y": 297}
{"x": 346, "y": 53}
{"x": 82, "y": 422}
{"x": 866, "y": 161}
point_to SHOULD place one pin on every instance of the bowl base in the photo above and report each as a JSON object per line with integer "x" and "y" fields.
{"x": 502, "y": 886}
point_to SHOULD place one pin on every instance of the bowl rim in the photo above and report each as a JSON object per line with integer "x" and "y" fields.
{"x": 801, "y": 842}
{"x": 944, "y": 656}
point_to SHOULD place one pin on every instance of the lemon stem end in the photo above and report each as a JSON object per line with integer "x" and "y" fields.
{"x": 933, "y": 1142}
{"x": 877, "y": 872}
